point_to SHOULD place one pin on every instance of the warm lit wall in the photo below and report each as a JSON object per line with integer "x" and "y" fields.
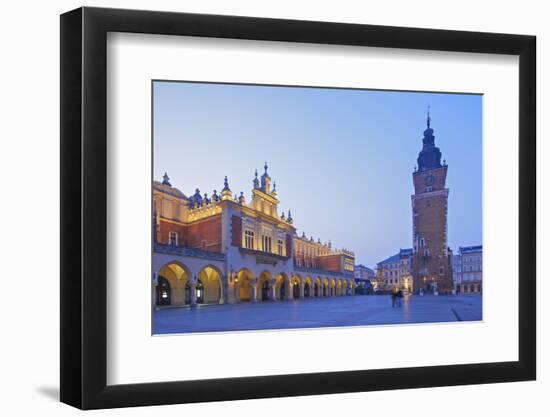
{"x": 331, "y": 262}
{"x": 166, "y": 226}
{"x": 204, "y": 234}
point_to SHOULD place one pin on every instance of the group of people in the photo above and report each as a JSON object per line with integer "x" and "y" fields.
{"x": 396, "y": 298}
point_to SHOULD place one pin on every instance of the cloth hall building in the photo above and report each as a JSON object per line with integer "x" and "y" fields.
{"x": 223, "y": 249}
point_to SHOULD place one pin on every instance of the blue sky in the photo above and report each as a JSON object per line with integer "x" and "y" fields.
{"x": 342, "y": 159}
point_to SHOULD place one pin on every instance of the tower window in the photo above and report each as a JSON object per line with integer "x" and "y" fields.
{"x": 429, "y": 189}
{"x": 426, "y": 253}
{"x": 173, "y": 239}
{"x": 441, "y": 270}
{"x": 422, "y": 242}
{"x": 280, "y": 247}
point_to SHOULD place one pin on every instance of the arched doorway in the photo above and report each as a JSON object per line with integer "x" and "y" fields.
{"x": 296, "y": 290}
{"x": 208, "y": 289}
{"x": 296, "y": 287}
{"x": 281, "y": 287}
{"x": 264, "y": 286}
{"x": 307, "y": 287}
{"x": 265, "y": 291}
{"x": 243, "y": 285}
{"x": 430, "y": 286}
{"x": 316, "y": 288}
{"x": 332, "y": 288}
{"x": 163, "y": 296}
{"x": 171, "y": 283}
{"x": 325, "y": 288}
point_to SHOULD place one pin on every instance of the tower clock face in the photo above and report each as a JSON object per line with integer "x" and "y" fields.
{"x": 429, "y": 179}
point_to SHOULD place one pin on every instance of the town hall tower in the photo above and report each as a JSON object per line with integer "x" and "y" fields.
{"x": 431, "y": 264}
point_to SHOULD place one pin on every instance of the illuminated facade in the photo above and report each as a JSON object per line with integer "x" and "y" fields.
{"x": 223, "y": 249}
{"x": 395, "y": 272}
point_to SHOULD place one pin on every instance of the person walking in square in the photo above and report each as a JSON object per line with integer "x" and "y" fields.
{"x": 399, "y": 297}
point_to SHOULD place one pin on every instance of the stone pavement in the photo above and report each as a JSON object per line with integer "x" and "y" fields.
{"x": 315, "y": 312}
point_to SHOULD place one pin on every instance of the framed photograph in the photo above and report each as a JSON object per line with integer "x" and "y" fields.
{"x": 260, "y": 208}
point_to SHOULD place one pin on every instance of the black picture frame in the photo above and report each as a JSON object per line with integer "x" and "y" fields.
{"x": 84, "y": 207}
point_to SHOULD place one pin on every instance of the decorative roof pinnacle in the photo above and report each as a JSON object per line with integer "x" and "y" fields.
{"x": 225, "y": 183}
{"x": 166, "y": 180}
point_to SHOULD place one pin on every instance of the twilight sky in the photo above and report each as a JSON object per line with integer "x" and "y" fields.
{"x": 342, "y": 159}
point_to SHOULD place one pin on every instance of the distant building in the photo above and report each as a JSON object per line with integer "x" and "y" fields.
{"x": 457, "y": 272}
{"x": 364, "y": 277}
{"x": 395, "y": 272}
{"x": 468, "y": 273}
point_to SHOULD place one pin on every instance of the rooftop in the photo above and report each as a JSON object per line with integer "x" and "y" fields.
{"x": 403, "y": 253}
{"x": 168, "y": 189}
{"x": 470, "y": 249}
{"x": 361, "y": 266}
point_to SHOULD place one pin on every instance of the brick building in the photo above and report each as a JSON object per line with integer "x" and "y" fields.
{"x": 223, "y": 249}
{"x": 432, "y": 266}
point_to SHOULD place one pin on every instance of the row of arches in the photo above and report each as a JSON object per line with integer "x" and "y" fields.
{"x": 175, "y": 285}
{"x": 283, "y": 287}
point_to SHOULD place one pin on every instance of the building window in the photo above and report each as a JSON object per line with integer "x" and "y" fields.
{"x": 280, "y": 247}
{"x": 441, "y": 270}
{"x": 429, "y": 189}
{"x": 421, "y": 241}
{"x": 173, "y": 239}
{"x": 426, "y": 253}
{"x": 249, "y": 239}
{"x": 348, "y": 265}
{"x": 266, "y": 243}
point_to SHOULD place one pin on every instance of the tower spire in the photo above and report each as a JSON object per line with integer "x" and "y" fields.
{"x": 266, "y": 181}
{"x": 430, "y": 155}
